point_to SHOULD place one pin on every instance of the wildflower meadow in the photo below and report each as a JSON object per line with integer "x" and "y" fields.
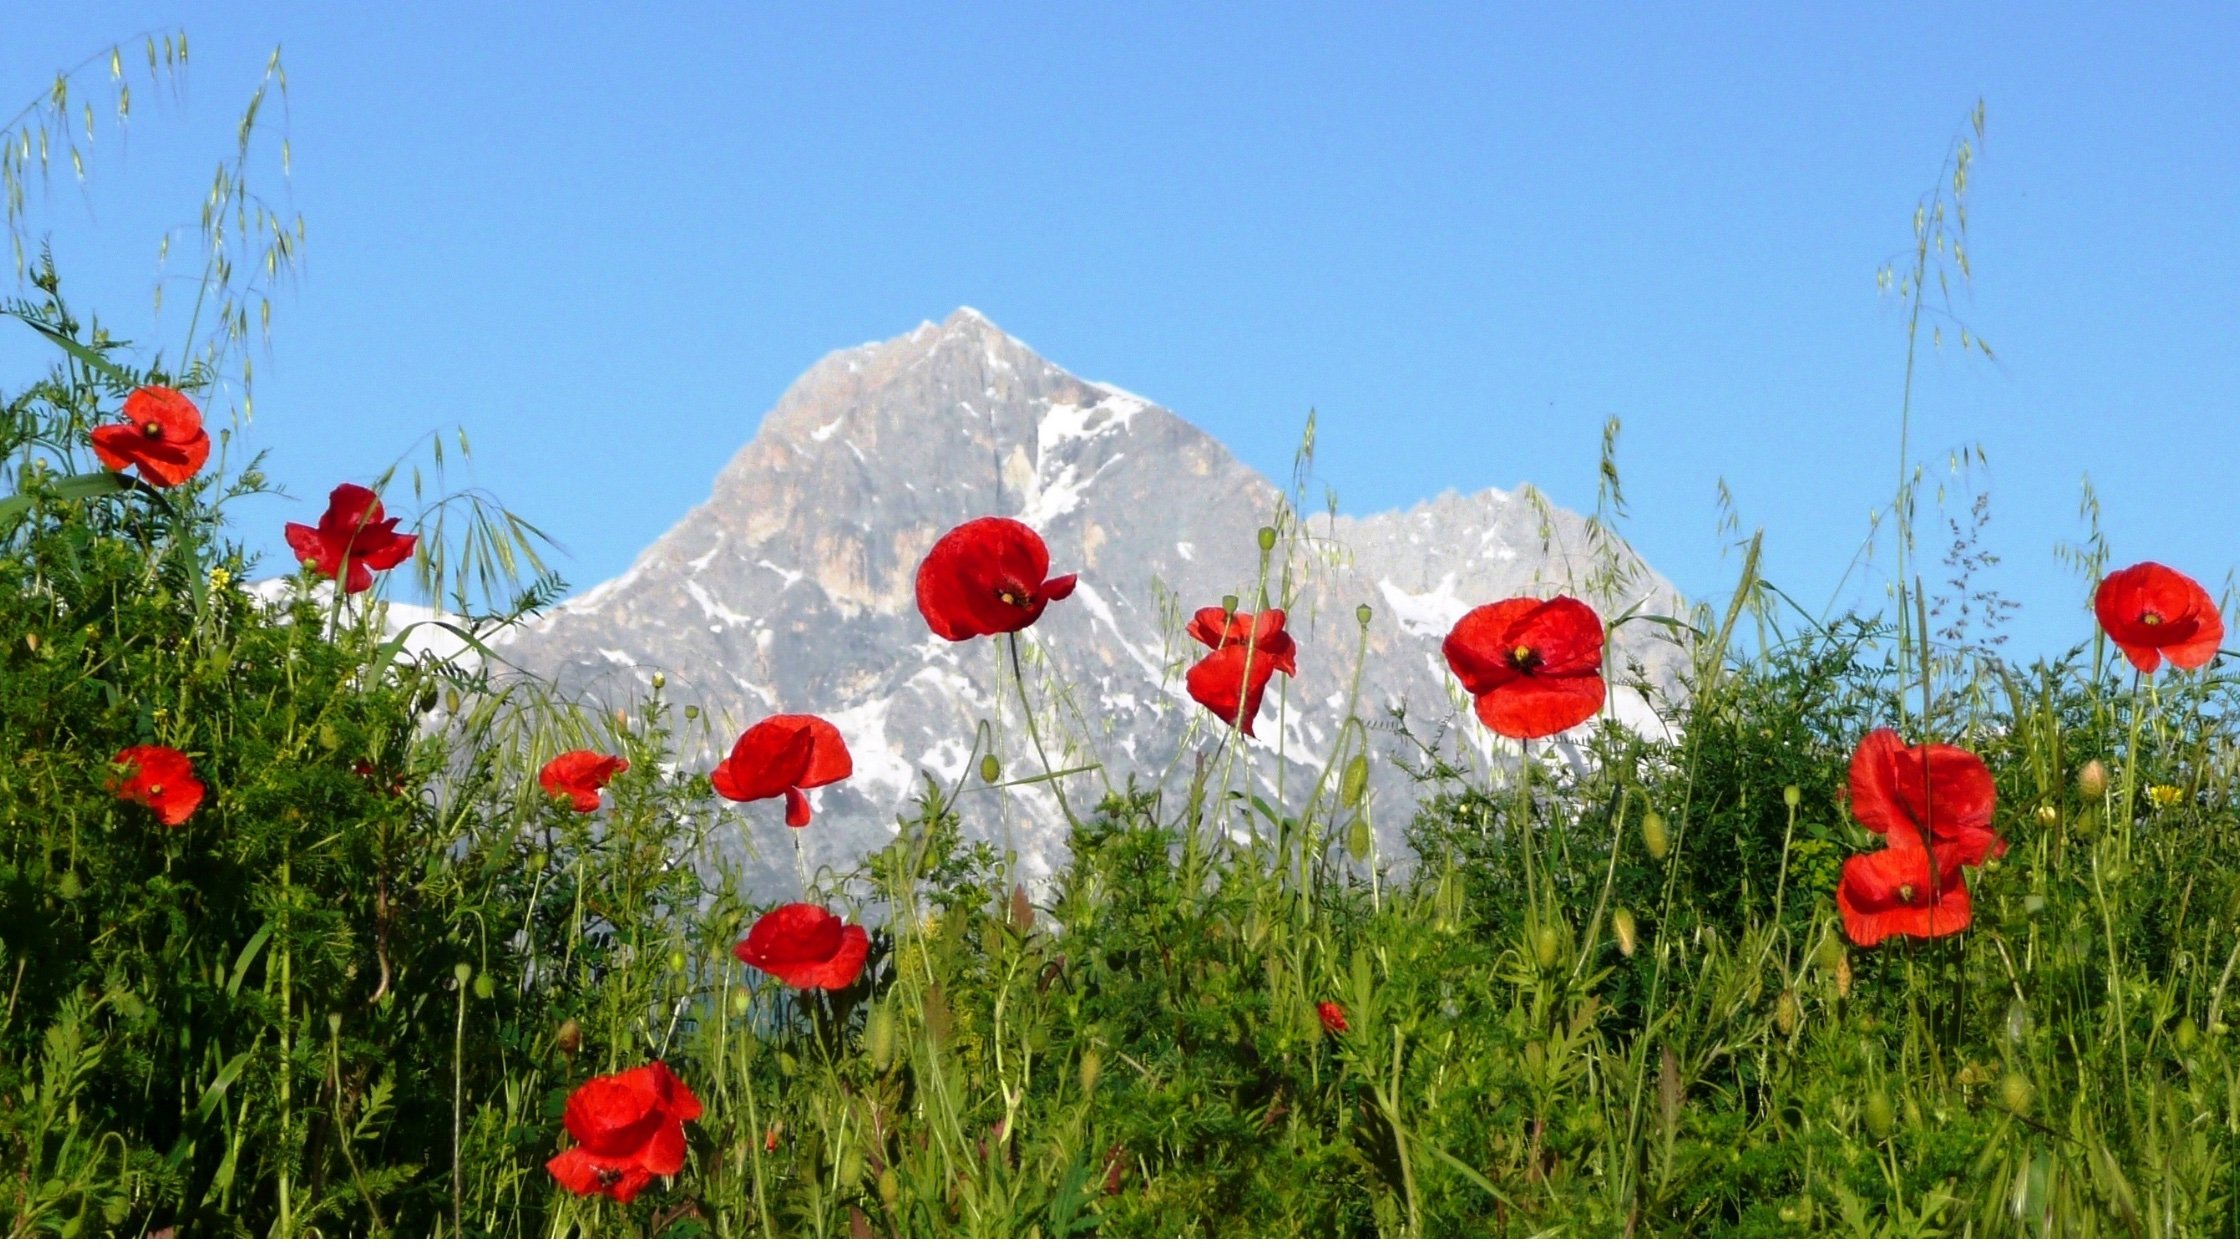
{"x": 306, "y": 933}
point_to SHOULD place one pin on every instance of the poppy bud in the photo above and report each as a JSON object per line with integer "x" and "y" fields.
{"x": 850, "y": 1167}
{"x": 451, "y": 703}
{"x": 1358, "y": 845}
{"x": 2048, "y": 815}
{"x": 1843, "y": 975}
{"x": 1546, "y": 946}
{"x": 331, "y": 741}
{"x": 1622, "y": 926}
{"x": 2092, "y": 781}
{"x": 31, "y": 641}
{"x": 676, "y": 960}
{"x": 770, "y": 1139}
{"x": 2018, "y": 1021}
{"x": 484, "y": 986}
{"x": 2015, "y": 1092}
{"x": 660, "y": 680}
{"x": 1267, "y": 538}
{"x": 462, "y": 972}
{"x": 2188, "y": 1034}
{"x": 1354, "y": 782}
{"x": 890, "y": 1187}
{"x": 1654, "y": 837}
{"x": 569, "y": 1038}
{"x": 878, "y": 1037}
{"x": 990, "y": 769}
{"x": 1879, "y": 1115}
{"x": 67, "y": 887}
{"x": 1092, "y": 1067}
{"x": 1362, "y": 613}
{"x": 1785, "y": 1012}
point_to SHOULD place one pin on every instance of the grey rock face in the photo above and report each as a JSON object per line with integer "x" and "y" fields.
{"x": 792, "y": 590}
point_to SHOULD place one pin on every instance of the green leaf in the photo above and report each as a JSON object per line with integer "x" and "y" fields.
{"x": 65, "y": 489}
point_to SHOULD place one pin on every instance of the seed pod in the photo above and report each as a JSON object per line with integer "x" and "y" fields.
{"x": 1622, "y": 926}
{"x": 1267, "y": 538}
{"x": 1092, "y": 1067}
{"x": 1880, "y": 1117}
{"x": 1790, "y": 796}
{"x": 2092, "y": 781}
{"x": 1785, "y": 1012}
{"x": 1358, "y": 846}
{"x": 1354, "y": 782}
{"x": 990, "y": 769}
{"x": 569, "y": 1038}
{"x": 1654, "y": 838}
{"x": 462, "y": 973}
{"x": 1362, "y": 613}
{"x": 692, "y": 713}
{"x": 1229, "y": 604}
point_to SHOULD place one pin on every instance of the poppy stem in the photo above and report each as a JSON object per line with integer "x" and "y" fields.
{"x": 1026, "y": 706}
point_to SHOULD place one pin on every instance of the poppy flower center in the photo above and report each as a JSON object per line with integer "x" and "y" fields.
{"x": 2151, "y": 619}
{"x": 155, "y": 789}
{"x": 1524, "y": 659}
{"x": 1905, "y": 893}
{"x": 152, "y": 429}
{"x": 1013, "y": 594}
{"x": 609, "y": 1176}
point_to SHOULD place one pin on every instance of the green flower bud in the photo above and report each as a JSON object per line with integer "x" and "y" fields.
{"x": 451, "y": 703}
{"x": 660, "y": 680}
{"x": 1362, "y": 613}
{"x": 1267, "y": 538}
{"x": 890, "y": 1187}
{"x": 1790, "y": 796}
{"x": 2015, "y": 1093}
{"x": 676, "y": 960}
{"x": 2092, "y": 781}
{"x": 692, "y": 713}
{"x": 1092, "y": 1067}
{"x": 1654, "y": 838}
{"x": 1786, "y": 1011}
{"x": 1622, "y": 926}
{"x": 484, "y": 987}
{"x": 878, "y": 1037}
{"x": 1358, "y": 839}
{"x": 2188, "y": 1034}
{"x": 1547, "y": 947}
{"x": 1354, "y": 783}
{"x": 1880, "y": 1117}
{"x": 739, "y": 1001}
{"x": 990, "y": 769}
{"x": 569, "y": 1037}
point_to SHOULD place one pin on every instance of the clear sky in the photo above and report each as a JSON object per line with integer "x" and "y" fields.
{"x": 604, "y": 238}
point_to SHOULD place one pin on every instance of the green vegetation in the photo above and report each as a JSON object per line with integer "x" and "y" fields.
{"x": 353, "y": 992}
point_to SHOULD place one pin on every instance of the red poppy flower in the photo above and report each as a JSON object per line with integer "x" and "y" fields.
{"x": 806, "y": 947}
{"x": 579, "y": 775}
{"x": 784, "y": 756}
{"x": 1930, "y": 794}
{"x": 160, "y": 778}
{"x": 1535, "y": 665}
{"x": 351, "y": 532}
{"x": 1889, "y": 893}
{"x": 987, "y": 577}
{"x": 163, "y": 437}
{"x": 1333, "y": 1017}
{"x": 629, "y": 1128}
{"x": 1218, "y": 681}
{"x": 2152, "y": 612}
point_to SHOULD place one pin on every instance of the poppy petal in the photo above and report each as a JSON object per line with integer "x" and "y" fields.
{"x": 1535, "y": 707}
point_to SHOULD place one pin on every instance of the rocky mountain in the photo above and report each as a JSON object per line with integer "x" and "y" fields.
{"x": 791, "y": 590}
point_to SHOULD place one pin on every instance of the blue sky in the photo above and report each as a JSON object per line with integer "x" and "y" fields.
{"x": 604, "y": 241}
